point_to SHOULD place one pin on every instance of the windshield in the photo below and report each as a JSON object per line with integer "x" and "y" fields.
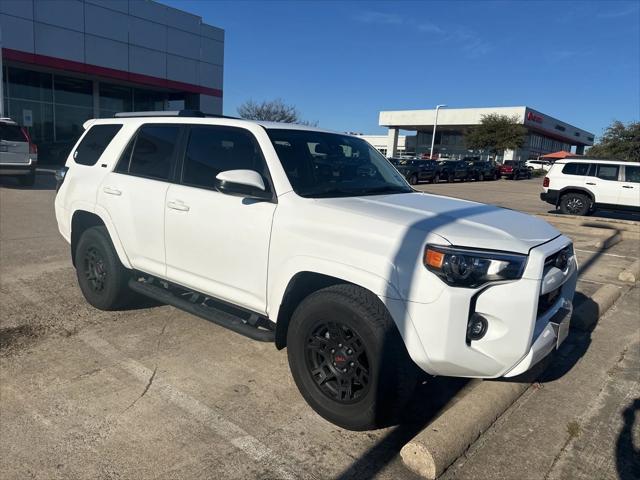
{"x": 320, "y": 164}
{"x": 509, "y": 163}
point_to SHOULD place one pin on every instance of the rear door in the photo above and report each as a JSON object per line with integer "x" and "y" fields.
{"x": 216, "y": 243}
{"x": 603, "y": 181}
{"x": 14, "y": 144}
{"x": 630, "y": 187}
{"x": 134, "y": 194}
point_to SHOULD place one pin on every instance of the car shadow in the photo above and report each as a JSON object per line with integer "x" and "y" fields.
{"x": 607, "y": 214}
{"x": 628, "y": 454}
{"x": 45, "y": 180}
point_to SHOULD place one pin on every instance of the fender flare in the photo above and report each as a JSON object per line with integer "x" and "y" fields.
{"x": 584, "y": 190}
{"x": 111, "y": 229}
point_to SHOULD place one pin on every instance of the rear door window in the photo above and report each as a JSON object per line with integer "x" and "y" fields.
{"x": 632, "y": 174}
{"x": 574, "y": 168}
{"x": 607, "y": 172}
{"x": 94, "y": 143}
{"x": 151, "y": 154}
{"x": 12, "y": 133}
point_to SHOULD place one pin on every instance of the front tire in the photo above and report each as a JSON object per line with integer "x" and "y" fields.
{"x": 575, "y": 204}
{"x": 348, "y": 359}
{"x": 102, "y": 278}
{"x": 413, "y": 179}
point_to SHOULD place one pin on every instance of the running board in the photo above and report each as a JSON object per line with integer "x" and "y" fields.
{"x": 249, "y": 328}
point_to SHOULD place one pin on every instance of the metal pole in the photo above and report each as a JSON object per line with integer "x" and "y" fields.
{"x": 435, "y": 125}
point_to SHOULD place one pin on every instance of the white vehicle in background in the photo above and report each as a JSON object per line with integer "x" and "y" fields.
{"x": 312, "y": 240}
{"x": 539, "y": 164}
{"x": 18, "y": 155}
{"x": 579, "y": 187}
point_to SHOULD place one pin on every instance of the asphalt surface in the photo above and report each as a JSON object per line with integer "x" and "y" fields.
{"x": 157, "y": 393}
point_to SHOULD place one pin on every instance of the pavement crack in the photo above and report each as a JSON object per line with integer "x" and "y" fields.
{"x": 155, "y": 369}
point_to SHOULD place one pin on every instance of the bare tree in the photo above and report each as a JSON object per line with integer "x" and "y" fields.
{"x": 271, "y": 111}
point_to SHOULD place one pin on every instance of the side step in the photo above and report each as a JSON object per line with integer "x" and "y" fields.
{"x": 254, "y": 328}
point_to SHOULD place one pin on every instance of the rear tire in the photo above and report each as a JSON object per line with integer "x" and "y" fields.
{"x": 575, "y": 204}
{"x": 348, "y": 359}
{"x": 102, "y": 278}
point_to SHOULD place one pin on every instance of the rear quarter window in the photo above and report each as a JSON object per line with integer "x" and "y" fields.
{"x": 574, "y": 168}
{"x": 94, "y": 143}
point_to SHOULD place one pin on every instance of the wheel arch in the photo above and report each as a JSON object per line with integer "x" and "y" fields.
{"x": 81, "y": 220}
{"x": 573, "y": 189}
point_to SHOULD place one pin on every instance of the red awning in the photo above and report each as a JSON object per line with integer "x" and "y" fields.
{"x": 559, "y": 155}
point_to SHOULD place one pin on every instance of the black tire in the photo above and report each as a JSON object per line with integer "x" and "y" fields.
{"x": 363, "y": 339}
{"x": 575, "y": 204}
{"x": 27, "y": 180}
{"x": 480, "y": 177}
{"x": 436, "y": 178}
{"x": 413, "y": 179}
{"x": 450, "y": 178}
{"x": 102, "y": 278}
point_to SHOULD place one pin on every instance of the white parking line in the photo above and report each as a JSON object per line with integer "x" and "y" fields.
{"x": 222, "y": 427}
{"x": 606, "y": 254}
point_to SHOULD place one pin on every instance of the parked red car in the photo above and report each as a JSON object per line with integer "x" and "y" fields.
{"x": 514, "y": 170}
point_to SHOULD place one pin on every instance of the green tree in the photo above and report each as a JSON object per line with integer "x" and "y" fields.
{"x": 496, "y": 133}
{"x": 272, "y": 111}
{"x": 619, "y": 142}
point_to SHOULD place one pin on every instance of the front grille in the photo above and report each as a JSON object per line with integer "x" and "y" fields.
{"x": 546, "y": 301}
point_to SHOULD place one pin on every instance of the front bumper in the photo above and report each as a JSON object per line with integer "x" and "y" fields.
{"x": 518, "y": 334}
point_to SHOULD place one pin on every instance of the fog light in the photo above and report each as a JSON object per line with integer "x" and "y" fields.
{"x": 477, "y": 327}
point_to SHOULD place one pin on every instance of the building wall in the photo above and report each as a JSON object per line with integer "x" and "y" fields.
{"x": 134, "y": 40}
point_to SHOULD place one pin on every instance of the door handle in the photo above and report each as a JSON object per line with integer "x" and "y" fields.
{"x": 627, "y": 186}
{"x": 178, "y": 205}
{"x": 112, "y": 191}
{"x": 590, "y": 183}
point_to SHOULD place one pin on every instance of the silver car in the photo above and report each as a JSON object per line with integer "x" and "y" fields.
{"x": 18, "y": 156}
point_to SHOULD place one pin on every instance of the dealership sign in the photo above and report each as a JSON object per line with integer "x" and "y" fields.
{"x": 534, "y": 118}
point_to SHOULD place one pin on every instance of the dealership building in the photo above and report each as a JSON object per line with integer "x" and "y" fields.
{"x": 545, "y": 134}
{"x": 66, "y": 61}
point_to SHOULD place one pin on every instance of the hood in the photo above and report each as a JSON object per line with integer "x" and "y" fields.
{"x": 461, "y": 222}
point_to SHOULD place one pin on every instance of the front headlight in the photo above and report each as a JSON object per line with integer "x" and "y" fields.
{"x": 461, "y": 267}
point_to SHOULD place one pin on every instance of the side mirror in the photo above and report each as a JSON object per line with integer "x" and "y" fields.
{"x": 242, "y": 183}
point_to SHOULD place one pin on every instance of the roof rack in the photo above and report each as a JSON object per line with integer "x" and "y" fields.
{"x": 170, "y": 113}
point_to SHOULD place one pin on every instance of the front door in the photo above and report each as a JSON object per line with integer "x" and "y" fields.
{"x": 218, "y": 244}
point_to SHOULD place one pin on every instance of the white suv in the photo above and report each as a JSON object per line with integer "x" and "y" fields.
{"x": 312, "y": 240}
{"x": 578, "y": 187}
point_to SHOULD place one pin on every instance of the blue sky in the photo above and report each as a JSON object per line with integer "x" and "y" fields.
{"x": 341, "y": 63}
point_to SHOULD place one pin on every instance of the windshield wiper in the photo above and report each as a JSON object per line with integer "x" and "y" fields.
{"x": 330, "y": 192}
{"x": 384, "y": 189}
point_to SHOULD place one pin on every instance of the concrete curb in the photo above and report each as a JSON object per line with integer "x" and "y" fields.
{"x": 587, "y": 314}
{"x": 436, "y": 447}
{"x": 609, "y": 242}
{"x": 631, "y": 273}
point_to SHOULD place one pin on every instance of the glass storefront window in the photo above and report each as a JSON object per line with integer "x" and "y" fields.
{"x": 73, "y": 91}
{"x": 115, "y": 98}
{"x": 29, "y": 85}
{"x": 148, "y": 100}
{"x": 42, "y": 114}
{"x": 69, "y": 121}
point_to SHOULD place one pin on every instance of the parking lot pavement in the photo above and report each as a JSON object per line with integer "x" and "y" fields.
{"x": 157, "y": 393}
{"x": 523, "y": 195}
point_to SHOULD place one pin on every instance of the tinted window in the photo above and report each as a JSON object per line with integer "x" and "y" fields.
{"x": 632, "y": 174}
{"x": 94, "y": 143}
{"x": 152, "y": 152}
{"x": 575, "y": 169}
{"x": 212, "y": 150}
{"x": 607, "y": 172}
{"x": 11, "y": 133}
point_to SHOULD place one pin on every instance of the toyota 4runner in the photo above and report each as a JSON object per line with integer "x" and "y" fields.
{"x": 312, "y": 240}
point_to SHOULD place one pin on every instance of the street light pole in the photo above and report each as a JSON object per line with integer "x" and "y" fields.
{"x": 435, "y": 125}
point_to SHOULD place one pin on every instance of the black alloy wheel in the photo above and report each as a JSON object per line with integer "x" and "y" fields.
{"x": 95, "y": 269}
{"x": 337, "y": 361}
